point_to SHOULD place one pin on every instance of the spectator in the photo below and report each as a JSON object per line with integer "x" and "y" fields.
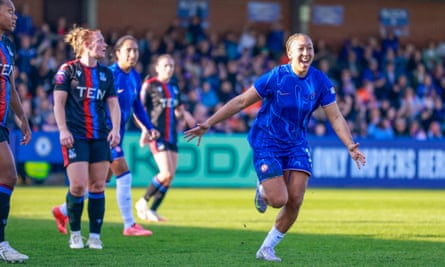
{"x": 382, "y": 130}
{"x": 389, "y": 40}
{"x": 247, "y": 40}
{"x": 275, "y": 40}
{"x": 401, "y": 128}
{"x": 195, "y": 32}
{"x": 25, "y": 24}
{"x": 226, "y": 92}
{"x": 434, "y": 131}
{"x": 49, "y": 125}
{"x": 208, "y": 96}
{"x": 231, "y": 44}
{"x": 25, "y": 54}
{"x": 239, "y": 60}
{"x": 416, "y": 132}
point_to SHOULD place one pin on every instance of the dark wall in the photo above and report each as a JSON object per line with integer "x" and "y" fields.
{"x": 427, "y": 18}
{"x": 158, "y": 14}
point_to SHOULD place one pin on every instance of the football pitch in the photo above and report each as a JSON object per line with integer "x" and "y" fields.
{"x": 220, "y": 227}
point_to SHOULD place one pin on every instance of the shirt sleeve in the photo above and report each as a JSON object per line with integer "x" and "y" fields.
{"x": 141, "y": 115}
{"x": 62, "y": 78}
{"x": 328, "y": 93}
{"x": 265, "y": 83}
{"x": 111, "y": 89}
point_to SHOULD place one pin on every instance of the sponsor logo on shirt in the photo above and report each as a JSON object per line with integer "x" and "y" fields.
{"x": 60, "y": 77}
{"x": 91, "y": 93}
{"x": 102, "y": 77}
{"x": 168, "y": 102}
{"x": 264, "y": 168}
{"x": 72, "y": 153}
{"x": 282, "y": 93}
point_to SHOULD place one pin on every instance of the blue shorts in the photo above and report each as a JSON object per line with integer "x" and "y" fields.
{"x": 117, "y": 152}
{"x": 268, "y": 165}
{"x": 91, "y": 151}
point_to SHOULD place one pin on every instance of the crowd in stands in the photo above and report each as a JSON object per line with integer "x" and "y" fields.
{"x": 385, "y": 89}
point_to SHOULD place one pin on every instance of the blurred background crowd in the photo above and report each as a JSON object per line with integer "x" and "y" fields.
{"x": 385, "y": 89}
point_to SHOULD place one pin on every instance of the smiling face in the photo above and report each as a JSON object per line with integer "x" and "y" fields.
{"x": 8, "y": 17}
{"x": 300, "y": 51}
{"x": 128, "y": 54}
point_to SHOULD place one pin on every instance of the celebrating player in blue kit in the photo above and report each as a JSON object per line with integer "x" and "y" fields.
{"x": 127, "y": 82}
{"x": 281, "y": 153}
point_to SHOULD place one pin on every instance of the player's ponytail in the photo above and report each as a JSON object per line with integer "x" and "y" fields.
{"x": 76, "y": 37}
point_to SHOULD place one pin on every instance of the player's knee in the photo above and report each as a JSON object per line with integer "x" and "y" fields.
{"x": 96, "y": 186}
{"x": 277, "y": 201}
{"x": 9, "y": 179}
{"x": 295, "y": 202}
{"x": 166, "y": 176}
{"x": 77, "y": 190}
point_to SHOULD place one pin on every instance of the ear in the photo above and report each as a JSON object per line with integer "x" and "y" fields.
{"x": 289, "y": 54}
{"x": 86, "y": 45}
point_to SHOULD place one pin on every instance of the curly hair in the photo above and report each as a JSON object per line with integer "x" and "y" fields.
{"x": 76, "y": 37}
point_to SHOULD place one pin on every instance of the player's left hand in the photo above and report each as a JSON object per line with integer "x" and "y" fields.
{"x": 114, "y": 138}
{"x": 357, "y": 155}
{"x": 154, "y": 134}
{"x": 198, "y": 131}
{"x": 26, "y": 132}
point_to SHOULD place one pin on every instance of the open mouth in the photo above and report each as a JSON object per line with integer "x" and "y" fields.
{"x": 305, "y": 62}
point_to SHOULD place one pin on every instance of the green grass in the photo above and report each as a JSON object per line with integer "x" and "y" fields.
{"x": 220, "y": 227}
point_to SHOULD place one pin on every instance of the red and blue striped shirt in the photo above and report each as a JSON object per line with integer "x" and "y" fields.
{"x": 88, "y": 89}
{"x": 7, "y": 54}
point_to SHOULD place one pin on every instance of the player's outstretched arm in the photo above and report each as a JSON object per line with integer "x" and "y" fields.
{"x": 342, "y": 130}
{"x": 232, "y": 107}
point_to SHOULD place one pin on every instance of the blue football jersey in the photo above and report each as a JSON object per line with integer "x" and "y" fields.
{"x": 288, "y": 102}
{"x": 128, "y": 87}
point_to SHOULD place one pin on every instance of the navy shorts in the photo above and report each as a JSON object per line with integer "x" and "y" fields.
{"x": 91, "y": 151}
{"x": 268, "y": 165}
{"x": 161, "y": 145}
{"x": 4, "y": 134}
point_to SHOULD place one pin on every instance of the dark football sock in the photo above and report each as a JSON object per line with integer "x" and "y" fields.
{"x": 152, "y": 188}
{"x": 158, "y": 198}
{"x": 96, "y": 211}
{"x": 5, "y": 203}
{"x": 74, "y": 206}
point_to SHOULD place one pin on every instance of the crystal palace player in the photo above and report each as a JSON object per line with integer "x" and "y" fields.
{"x": 127, "y": 82}
{"x": 83, "y": 88}
{"x": 8, "y": 98}
{"x": 162, "y": 100}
